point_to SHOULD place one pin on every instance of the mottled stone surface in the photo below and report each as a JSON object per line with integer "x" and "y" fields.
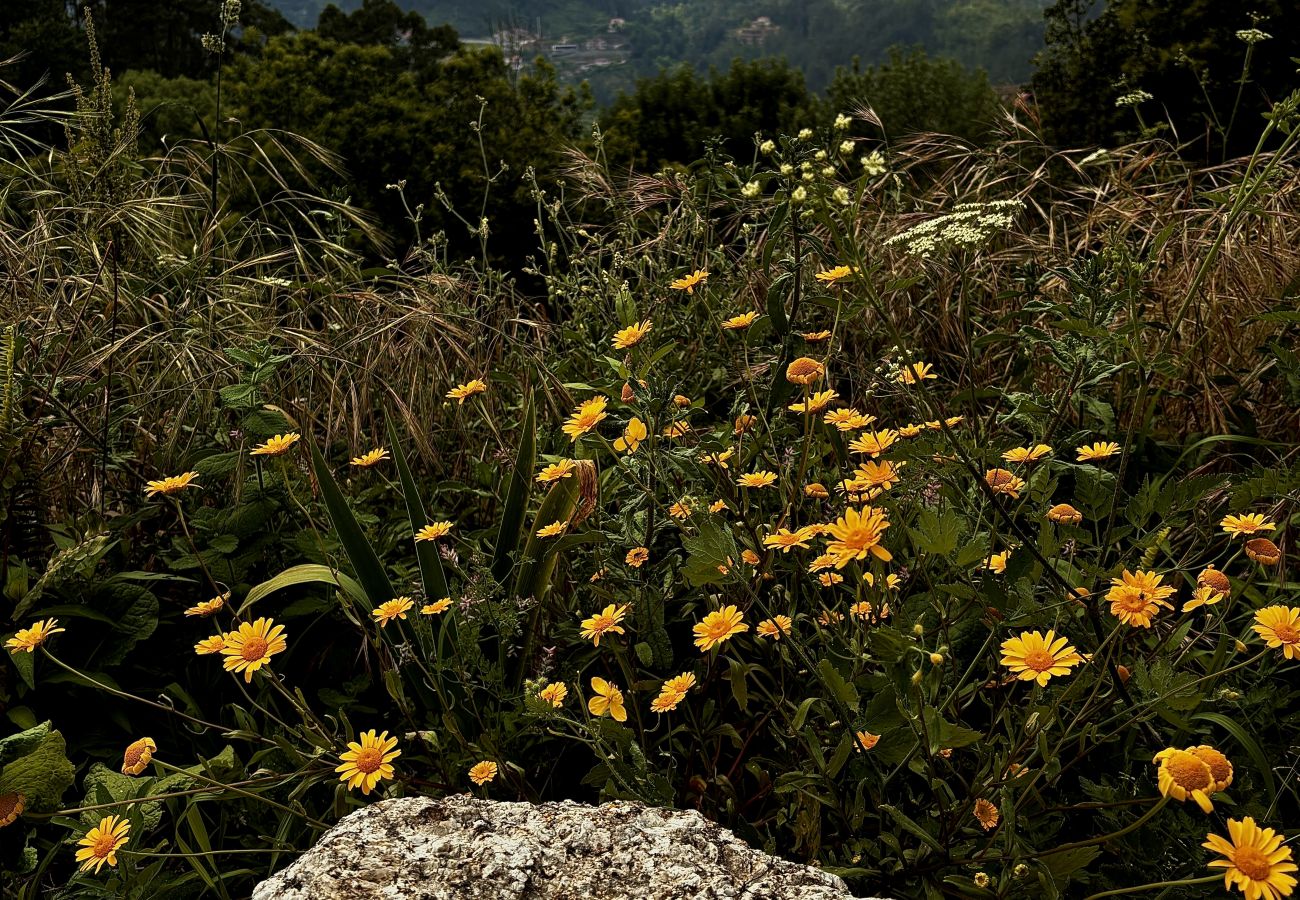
{"x": 462, "y": 848}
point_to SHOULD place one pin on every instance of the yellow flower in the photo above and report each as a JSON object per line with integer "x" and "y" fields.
{"x": 1213, "y": 578}
{"x": 604, "y": 622}
{"x": 1204, "y": 595}
{"x": 744, "y": 422}
{"x": 687, "y": 283}
{"x": 681, "y": 401}
{"x": 717, "y": 506}
{"x": 30, "y": 638}
{"x": 828, "y": 617}
{"x": 718, "y": 626}
{"x": 864, "y": 610}
{"x": 718, "y": 459}
{"x": 757, "y": 479}
{"x": 666, "y": 702}
{"x": 740, "y": 322}
{"x": 1247, "y": 524}
{"x": 1136, "y": 597}
{"x": 787, "y": 540}
{"x": 874, "y": 442}
{"x": 101, "y": 843}
{"x": 774, "y": 627}
{"x": 631, "y": 335}
{"x": 138, "y": 755}
{"x": 1099, "y": 450}
{"x": 880, "y": 475}
{"x": 892, "y": 581}
{"x": 1033, "y": 656}
{"x": 214, "y": 644}
{"x": 750, "y": 557}
{"x": 1182, "y": 775}
{"x": 370, "y": 458}
{"x": 462, "y": 392}
{"x": 1279, "y": 626}
{"x": 847, "y": 419}
{"x": 909, "y": 431}
{"x": 1263, "y": 551}
{"x": 918, "y": 371}
{"x": 866, "y": 740}
{"x": 680, "y": 510}
{"x": 208, "y": 607}
{"x": 608, "y": 700}
{"x": 1255, "y": 860}
{"x": 857, "y": 535}
{"x": 554, "y": 472}
{"x": 986, "y": 814}
{"x": 433, "y": 531}
{"x": 436, "y": 607}
{"x": 1220, "y": 766}
{"x": 252, "y": 646}
{"x": 397, "y": 608}
{"x": 367, "y": 763}
{"x": 804, "y": 371}
{"x": 830, "y": 276}
{"x": 586, "y": 416}
{"x": 276, "y": 446}
{"x": 998, "y": 562}
{"x": 1000, "y": 481}
{"x": 1027, "y": 454}
{"x": 1065, "y": 514}
{"x": 637, "y": 557}
{"x": 815, "y": 337}
{"x": 11, "y": 807}
{"x": 677, "y": 430}
{"x": 816, "y": 402}
{"x": 633, "y": 435}
{"x": 554, "y": 693}
{"x": 173, "y": 484}
{"x": 483, "y": 772}
{"x": 830, "y": 579}
{"x": 547, "y": 531}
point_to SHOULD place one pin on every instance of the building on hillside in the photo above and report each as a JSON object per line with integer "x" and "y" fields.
{"x": 757, "y": 31}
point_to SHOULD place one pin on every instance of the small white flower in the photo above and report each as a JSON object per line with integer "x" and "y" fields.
{"x": 874, "y": 163}
{"x": 805, "y": 134}
{"x": 842, "y": 122}
{"x": 841, "y": 195}
{"x": 750, "y": 190}
{"x": 1253, "y": 35}
{"x": 819, "y": 155}
{"x": 846, "y": 147}
{"x": 799, "y": 195}
{"x": 828, "y": 171}
{"x": 767, "y": 148}
{"x": 786, "y": 168}
{"x": 1133, "y": 98}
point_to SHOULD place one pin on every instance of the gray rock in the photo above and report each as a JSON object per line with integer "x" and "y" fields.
{"x": 462, "y": 848}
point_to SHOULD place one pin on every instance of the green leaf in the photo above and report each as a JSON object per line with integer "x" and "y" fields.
{"x": 1067, "y": 862}
{"x": 936, "y": 533}
{"x": 370, "y": 571}
{"x": 540, "y": 554}
{"x": 308, "y": 573}
{"x": 22, "y": 743}
{"x": 516, "y": 503}
{"x": 845, "y": 692}
{"x": 1248, "y": 743}
{"x": 945, "y": 735}
{"x": 912, "y": 827}
{"x": 739, "y": 689}
{"x": 714, "y": 546}
{"x": 136, "y": 612}
{"x": 432, "y": 575}
{"x": 41, "y": 774}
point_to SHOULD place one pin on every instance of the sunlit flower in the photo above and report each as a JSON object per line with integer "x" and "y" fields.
{"x": 828, "y": 617}
{"x": 586, "y": 416}
{"x": 804, "y": 371}
{"x": 138, "y": 755}
{"x": 1279, "y": 626}
{"x": 631, "y": 335}
{"x": 866, "y": 740}
{"x": 1182, "y": 775}
{"x": 909, "y": 431}
{"x": 986, "y": 814}
{"x": 11, "y": 807}
{"x": 367, "y": 763}
{"x": 1136, "y": 597}
{"x": 604, "y": 622}
{"x": 750, "y": 557}
{"x": 1263, "y": 551}
{"x": 1247, "y": 524}
{"x": 1033, "y": 656}
{"x": 252, "y": 646}
{"x": 173, "y": 484}
{"x": 608, "y": 701}
{"x": 743, "y": 424}
{"x": 555, "y": 471}
{"x": 101, "y": 843}
{"x": 815, "y": 337}
{"x": 30, "y": 638}
{"x": 718, "y": 626}
{"x": 1220, "y": 766}
{"x": 680, "y": 510}
{"x": 483, "y": 772}
{"x": 866, "y": 610}
{"x": 633, "y": 435}
{"x": 1000, "y": 481}
{"x": 892, "y": 582}
{"x": 830, "y": 579}
{"x": 462, "y": 392}
{"x": 880, "y": 475}
{"x": 718, "y": 459}
{"x": 689, "y": 282}
{"x": 718, "y": 506}
{"x": 208, "y": 607}
{"x": 666, "y": 702}
{"x": 1099, "y": 450}
{"x": 677, "y": 430}
{"x": 555, "y": 528}
{"x": 757, "y": 479}
{"x": 816, "y": 490}
{"x": 1213, "y": 578}
{"x": 1204, "y": 595}
{"x": 815, "y": 402}
{"x": 214, "y": 644}
{"x": 857, "y": 536}
{"x": 1027, "y": 454}
{"x": 277, "y": 445}
{"x": 997, "y": 562}
{"x": 370, "y": 458}
{"x": 830, "y": 276}
{"x": 740, "y": 322}
{"x": 917, "y": 371}
{"x": 433, "y": 531}
{"x": 554, "y": 693}
{"x": 774, "y": 627}
{"x": 874, "y": 442}
{"x": 397, "y": 608}
{"x": 1255, "y": 858}
{"x": 787, "y": 540}
{"x": 1065, "y": 514}
{"x": 847, "y": 419}
{"x": 436, "y": 607}
{"x": 637, "y": 557}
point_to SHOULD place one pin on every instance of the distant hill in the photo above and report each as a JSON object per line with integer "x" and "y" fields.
{"x": 610, "y": 42}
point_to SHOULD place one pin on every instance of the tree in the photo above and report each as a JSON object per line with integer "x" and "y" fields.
{"x": 44, "y": 36}
{"x": 384, "y": 23}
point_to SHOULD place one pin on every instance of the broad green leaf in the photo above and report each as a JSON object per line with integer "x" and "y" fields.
{"x": 370, "y": 571}
{"x": 308, "y": 573}
{"x": 712, "y": 547}
{"x": 41, "y": 774}
{"x": 842, "y": 690}
{"x": 516, "y": 502}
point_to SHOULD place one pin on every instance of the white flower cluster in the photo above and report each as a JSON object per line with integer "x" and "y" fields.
{"x": 1253, "y": 35}
{"x": 874, "y": 163}
{"x": 1133, "y": 98}
{"x": 968, "y": 225}
{"x": 842, "y": 122}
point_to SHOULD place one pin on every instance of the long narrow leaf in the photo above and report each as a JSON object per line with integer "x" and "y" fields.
{"x": 370, "y": 571}
{"x": 308, "y": 573}
{"x": 521, "y": 480}
{"x": 426, "y": 552}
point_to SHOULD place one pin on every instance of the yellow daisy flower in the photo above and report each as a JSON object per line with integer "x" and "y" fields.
{"x": 555, "y": 528}
{"x": 815, "y": 337}
{"x": 1182, "y": 775}
{"x": 1000, "y": 481}
{"x": 173, "y": 484}
{"x": 787, "y": 540}
{"x": 483, "y": 772}
{"x": 1136, "y": 597}
{"x": 586, "y": 416}
{"x": 917, "y": 371}
{"x": 718, "y": 626}
{"x": 278, "y": 445}
{"x": 1033, "y": 656}
{"x": 369, "y": 762}
{"x": 1279, "y": 626}
{"x": 208, "y": 607}
{"x": 637, "y": 557}
{"x": 774, "y": 627}
{"x": 757, "y": 479}
{"x": 252, "y": 646}
{"x": 874, "y": 442}
{"x": 214, "y": 644}
{"x": 554, "y": 693}
{"x": 857, "y": 536}
{"x": 740, "y": 322}
{"x": 397, "y": 608}
{"x": 632, "y": 335}
{"x": 370, "y": 458}
{"x": 689, "y": 282}
{"x": 462, "y": 392}
{"x": 30, "y": 638}
{"x": 1246, "y": 524}
{"x": 604, "y": 622}
{"x": 436, "y": 607}
{"x": 1064, "y": 514}
{"x": 555, "y": 471}
{"x": 1027, "y": 454}
{"x": 101, "y": 843}
{"x": 830, "y": 276}
{"x": 1099, "y": 450}
{"x": 986, "y": 814}
{"x": 138, "y": 755}
{"x": 1263, "y": 551}
{"x": 866, "y": 740}
{"x": 433, "y": 531}
{"x": 1256, "y": 861}
{"x": 11, "y": 807}
{"x": 804, "y": 371}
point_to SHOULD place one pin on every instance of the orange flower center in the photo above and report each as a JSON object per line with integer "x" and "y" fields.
{"x": 103, "y": 845}
{"x": 368, "y": 760}
{"x": 1286, "y": 633}
{"x": 1189, "y": 772}
{"x": 254, "y": 648}
{"x": 1252, "y": 863}
{"x": 1132, "y": 601}
{"x": 1040, "y": 660}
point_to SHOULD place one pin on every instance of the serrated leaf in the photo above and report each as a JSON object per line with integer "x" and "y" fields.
{"x": 842, "y": 690}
